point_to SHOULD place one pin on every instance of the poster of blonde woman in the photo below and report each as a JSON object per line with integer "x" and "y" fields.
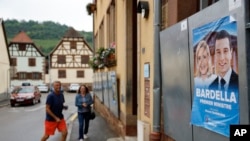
{"x": 204, "y": 74}
{"x": 216, "y": 95}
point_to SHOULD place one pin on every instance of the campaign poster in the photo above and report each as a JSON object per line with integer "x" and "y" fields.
{"x": 216, "y": 85}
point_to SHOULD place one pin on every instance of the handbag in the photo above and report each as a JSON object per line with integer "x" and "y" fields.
{"x": 92, "y": 114}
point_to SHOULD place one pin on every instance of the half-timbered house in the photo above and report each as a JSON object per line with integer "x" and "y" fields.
{"x": 27, "y": 61}
{"x": 69, "y": 60}
{"x": 4, "y": 63}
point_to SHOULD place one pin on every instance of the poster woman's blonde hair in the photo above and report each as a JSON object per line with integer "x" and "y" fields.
{"x": 203, "y": 44}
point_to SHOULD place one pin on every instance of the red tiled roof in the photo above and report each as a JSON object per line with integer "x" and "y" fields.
{"x": 72, "y": 33}
{"x": 21, "y": 37}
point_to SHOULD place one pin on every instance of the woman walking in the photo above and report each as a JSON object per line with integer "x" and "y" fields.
{"x": 83, "y": 103}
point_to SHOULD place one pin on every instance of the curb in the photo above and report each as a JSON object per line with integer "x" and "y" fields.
{"x": 4, "y": 103}
{"x": 70, "y": 125}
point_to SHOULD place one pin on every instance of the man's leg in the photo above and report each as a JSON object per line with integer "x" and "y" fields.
{"x": 64, "y": 135}
{"x": 45, "y": 137}
{"x": 62, "y": 127}
{"x": 50, "y": 128}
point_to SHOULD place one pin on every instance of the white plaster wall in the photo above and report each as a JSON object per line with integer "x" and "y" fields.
{"x": 23, "y": 65}
{"x": 71, "y": 76}
{"x": 4, "y": 62}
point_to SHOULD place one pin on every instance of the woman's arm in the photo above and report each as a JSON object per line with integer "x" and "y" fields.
{"x": 77, "y": 101}
{"x": 90, "y": 99}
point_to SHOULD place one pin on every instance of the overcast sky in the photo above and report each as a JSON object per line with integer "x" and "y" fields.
{"x": 69, "y": 12}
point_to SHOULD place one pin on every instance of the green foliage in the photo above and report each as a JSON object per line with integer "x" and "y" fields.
{"x": 46, "y": 35}
{"x": 46, "y": 46}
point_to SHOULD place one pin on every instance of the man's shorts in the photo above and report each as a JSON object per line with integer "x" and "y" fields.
{"x": 51, "y": 126}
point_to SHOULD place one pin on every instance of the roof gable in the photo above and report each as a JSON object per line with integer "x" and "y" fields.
{"x": 21, "y": 37}
{"x": 72, "y": 33}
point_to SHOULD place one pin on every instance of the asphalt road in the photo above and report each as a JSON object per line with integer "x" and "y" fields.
{"x": 26, "y": 122}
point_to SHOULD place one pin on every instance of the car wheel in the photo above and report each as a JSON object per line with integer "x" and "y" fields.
{"x": 12, "y": 105}
{"x": 39, "y": 100}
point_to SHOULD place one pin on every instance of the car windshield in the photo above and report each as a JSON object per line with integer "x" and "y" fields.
{"x": 25, "y": 90}
{"x": 25, "y": 84}
{"x": 74, "y": 84}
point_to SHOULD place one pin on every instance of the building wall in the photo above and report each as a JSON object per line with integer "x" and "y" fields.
{"x": 23, "y": 66}
{"x": 126, "y": 124}
{"x": 71, "y": 76}
{"x": 175, "y": 11}
{"x": 121, "y": 57}
{"x": 146, "y": 56}
{"x": 4, "y": 63}
{"x": 72, "y": 65}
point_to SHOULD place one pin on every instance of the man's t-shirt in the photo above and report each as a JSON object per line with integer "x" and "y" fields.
{"x": 56, "y": 105}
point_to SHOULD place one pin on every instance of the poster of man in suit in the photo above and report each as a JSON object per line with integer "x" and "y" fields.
{"x": 216, "y": 95}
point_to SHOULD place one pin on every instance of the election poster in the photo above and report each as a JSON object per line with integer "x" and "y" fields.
{"x": 216, "y": 95}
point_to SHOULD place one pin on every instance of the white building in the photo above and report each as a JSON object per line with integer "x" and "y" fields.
{"x": 4, "y": 63}
{"x": 69, "y": 60}
{"x": 27, "y": 61}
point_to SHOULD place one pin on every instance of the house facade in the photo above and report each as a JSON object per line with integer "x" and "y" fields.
{"x": 27, "y": 61}
{"x": 68, "y": 61}
{"x": 154, "y": 85}
{"x": 4, "y": 63}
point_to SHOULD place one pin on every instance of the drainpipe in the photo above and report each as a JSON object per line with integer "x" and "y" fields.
{"x": 156, "y": 134}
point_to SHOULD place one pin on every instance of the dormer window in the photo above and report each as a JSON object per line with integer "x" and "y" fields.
{"x": 73, "y": 45}
{"x": 21, "y": 47}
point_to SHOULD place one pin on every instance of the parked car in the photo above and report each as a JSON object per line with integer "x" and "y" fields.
{"x": 25, "y": 95}
{"x": 73, "y": 87}
{"x": 43, "y": 88}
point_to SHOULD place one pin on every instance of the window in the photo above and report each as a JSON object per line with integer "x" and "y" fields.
{"x": 73, "y": 45}
{"x": 61, "y": 59}
{"x": 80, "y": 74}
{"x": 36, "y": 75}
{"x": 84, "y": 59}
{"x": 22, "y": 47}
{"x": 22, "y": 75}
{"x": 61, "y": 73}
{"x": 32, "y": 62}
{"x": 13, "y": 62}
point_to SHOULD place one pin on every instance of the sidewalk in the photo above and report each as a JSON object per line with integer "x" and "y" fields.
{"x": 4, "y": 102}
{"x": 99, "y": 130}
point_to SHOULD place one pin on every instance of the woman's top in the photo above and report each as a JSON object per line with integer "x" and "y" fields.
{"x": 200, "y": 83}
{"x": 79, "y": 100}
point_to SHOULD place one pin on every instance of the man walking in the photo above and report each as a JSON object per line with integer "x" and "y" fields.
{"x": 54, "y": 116}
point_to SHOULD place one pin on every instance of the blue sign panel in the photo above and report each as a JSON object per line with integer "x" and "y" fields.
{"x": 216, "y": 95}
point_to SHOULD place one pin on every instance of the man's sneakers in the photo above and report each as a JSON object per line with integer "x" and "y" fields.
{"x": 85, "y": 136}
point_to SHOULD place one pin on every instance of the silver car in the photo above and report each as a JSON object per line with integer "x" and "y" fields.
{"x": 73, "y": 87}
{"x": 43, "y": 88}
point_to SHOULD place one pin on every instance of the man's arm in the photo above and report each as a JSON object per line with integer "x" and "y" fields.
{"x": 51, "y": 113}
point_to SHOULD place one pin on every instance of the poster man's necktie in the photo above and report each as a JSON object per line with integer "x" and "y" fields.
{"x": 222, "y": 84}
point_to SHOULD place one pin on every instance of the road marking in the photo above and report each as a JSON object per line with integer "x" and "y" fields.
{"x": 72, "y": 118}
{"x": 35, "y": 109}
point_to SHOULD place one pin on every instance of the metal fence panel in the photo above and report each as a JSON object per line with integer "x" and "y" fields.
{"x": 212, "y": 13}
{"x": 176, "y": 82}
